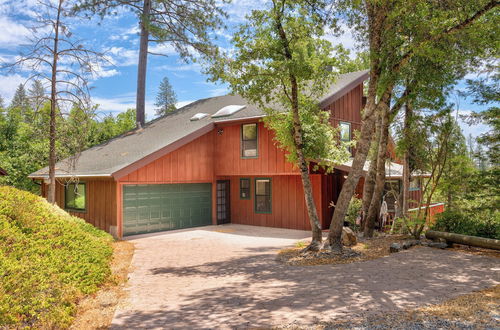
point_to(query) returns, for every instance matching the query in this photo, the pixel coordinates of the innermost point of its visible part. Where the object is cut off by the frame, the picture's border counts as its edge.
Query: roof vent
(198, 116)
(228, 110)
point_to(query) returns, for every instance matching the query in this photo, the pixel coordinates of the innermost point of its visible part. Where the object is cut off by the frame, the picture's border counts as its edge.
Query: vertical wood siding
(288, 204)
(101, 210)
(348, 108)
(192, 162)
(271, 160)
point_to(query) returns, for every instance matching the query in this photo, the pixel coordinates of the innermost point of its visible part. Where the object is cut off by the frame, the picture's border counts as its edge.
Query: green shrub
(483, 224)
(48, 260)
(353, 212)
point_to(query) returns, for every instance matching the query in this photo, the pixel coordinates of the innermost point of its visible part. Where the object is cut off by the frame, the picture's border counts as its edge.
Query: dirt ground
(226, 277)
(365, 249)
(96, 311)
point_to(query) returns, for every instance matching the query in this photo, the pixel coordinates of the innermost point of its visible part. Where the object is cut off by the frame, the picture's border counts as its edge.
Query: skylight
(228, 110)
(198, 116)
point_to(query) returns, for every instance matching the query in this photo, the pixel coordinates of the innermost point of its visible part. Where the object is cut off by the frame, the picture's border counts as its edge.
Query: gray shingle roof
(119, 152)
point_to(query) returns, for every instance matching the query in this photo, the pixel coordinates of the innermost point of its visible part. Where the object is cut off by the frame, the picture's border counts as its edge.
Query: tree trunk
(297, 137)
(369, 185)
(374, 208)
(304, 172)
(406, 160)
(347, 191)
(51, 195)
(142, 66)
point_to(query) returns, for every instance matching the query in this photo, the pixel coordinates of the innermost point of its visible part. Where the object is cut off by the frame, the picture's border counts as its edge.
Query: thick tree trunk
(51, 195)
(374, 208)
(369, 185)
(347, 191)
(140, 103)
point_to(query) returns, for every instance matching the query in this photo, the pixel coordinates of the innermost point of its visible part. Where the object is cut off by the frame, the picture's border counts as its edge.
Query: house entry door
(223, 202)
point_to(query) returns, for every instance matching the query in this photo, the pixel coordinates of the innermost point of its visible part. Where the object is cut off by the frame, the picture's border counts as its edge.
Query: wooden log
(487, 243)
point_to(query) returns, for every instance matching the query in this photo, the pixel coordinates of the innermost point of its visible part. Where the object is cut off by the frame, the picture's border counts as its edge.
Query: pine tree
(166, 98)
(20, 99)
(37, 95)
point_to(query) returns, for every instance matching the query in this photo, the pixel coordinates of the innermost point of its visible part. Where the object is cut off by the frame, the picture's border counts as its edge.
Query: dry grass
(96, 311)
(367, 248)
(474, 307)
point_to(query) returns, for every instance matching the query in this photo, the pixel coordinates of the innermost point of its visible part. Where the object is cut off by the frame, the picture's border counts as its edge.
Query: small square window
(244, 188)
(249, 140)
(345, 131)
(414, 184)
(74, 196)
(263, 198)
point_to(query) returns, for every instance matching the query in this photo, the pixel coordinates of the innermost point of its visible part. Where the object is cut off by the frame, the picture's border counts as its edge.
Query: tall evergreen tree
(166, 98)
(183, 24)
(20, 99)
(37, 95)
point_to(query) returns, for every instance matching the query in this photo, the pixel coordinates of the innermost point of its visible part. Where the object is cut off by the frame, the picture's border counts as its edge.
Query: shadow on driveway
(241, 285)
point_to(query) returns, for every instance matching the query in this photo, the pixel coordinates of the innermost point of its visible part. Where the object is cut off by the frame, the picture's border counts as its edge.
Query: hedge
(48, 260)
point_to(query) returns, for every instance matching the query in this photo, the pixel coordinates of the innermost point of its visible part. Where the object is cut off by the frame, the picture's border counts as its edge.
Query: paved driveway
(227, 276)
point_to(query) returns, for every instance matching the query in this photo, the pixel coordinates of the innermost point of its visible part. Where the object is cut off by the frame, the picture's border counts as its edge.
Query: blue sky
(114, 90)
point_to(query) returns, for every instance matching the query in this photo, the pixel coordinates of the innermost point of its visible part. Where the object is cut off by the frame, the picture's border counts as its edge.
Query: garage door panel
(152, 208)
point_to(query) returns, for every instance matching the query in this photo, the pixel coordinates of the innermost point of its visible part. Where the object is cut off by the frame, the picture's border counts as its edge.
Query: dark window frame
(72, 208)
(249, 193)
(256, 141)
(270, 196)
(348, 124)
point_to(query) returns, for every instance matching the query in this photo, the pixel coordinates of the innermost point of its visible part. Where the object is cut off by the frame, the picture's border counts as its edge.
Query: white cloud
(181, 67)
(121, 56)
(163, 49)
(13, 34)
(122, 103)
(8, 86)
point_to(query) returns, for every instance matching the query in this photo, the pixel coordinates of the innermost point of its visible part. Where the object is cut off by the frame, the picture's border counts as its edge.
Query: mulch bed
(97, 311)
(365, 249)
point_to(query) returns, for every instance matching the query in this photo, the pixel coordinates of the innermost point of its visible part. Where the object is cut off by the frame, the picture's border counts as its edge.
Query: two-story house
(210, 162)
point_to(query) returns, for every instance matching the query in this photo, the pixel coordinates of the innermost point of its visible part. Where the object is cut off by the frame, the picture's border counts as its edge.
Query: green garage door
(158, 207)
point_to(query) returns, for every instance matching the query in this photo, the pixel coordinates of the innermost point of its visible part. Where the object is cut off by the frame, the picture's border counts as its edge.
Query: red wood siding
(101, 210)
(192, 162)
(271, 160)
(288, 204)
(348, 108)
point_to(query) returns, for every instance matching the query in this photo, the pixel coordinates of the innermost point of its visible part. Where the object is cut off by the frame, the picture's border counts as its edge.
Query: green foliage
(166, 98)
(24, 137)
(280, 48)
(353, 211)
(484, 224)
(48, 260)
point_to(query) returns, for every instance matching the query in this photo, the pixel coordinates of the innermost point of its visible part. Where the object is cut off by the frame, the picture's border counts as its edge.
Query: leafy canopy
(264, 67)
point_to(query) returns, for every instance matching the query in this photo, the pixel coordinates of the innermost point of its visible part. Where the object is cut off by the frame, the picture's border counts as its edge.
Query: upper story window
(74, 196)
(345, 131)
(249, 141)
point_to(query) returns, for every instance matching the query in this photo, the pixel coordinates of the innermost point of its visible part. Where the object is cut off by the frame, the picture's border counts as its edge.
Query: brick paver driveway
(227, 276)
